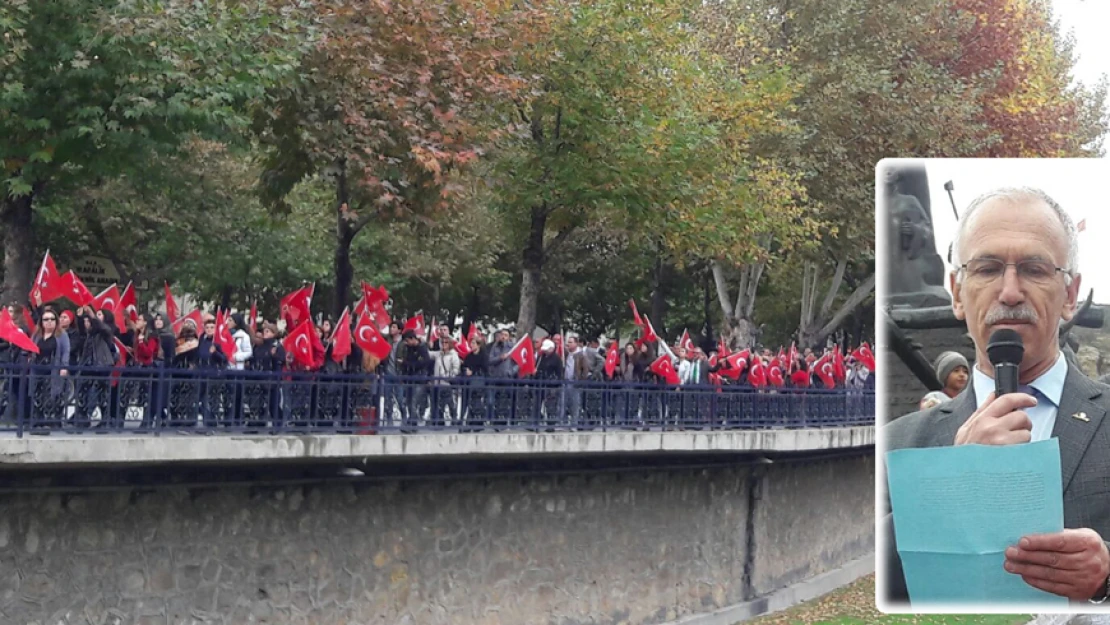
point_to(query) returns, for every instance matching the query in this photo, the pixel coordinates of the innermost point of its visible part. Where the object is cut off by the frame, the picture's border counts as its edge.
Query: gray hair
(1022, 193)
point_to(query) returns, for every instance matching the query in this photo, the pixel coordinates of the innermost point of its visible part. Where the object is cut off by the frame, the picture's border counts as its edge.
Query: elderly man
(1015, 257)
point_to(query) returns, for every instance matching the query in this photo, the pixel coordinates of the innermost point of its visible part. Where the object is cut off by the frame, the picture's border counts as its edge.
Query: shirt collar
(1050, 384)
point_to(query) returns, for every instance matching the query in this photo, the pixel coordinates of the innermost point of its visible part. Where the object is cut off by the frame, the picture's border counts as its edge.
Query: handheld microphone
(1005, 350)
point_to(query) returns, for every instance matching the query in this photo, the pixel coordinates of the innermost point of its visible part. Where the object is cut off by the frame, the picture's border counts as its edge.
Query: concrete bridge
(559, 528)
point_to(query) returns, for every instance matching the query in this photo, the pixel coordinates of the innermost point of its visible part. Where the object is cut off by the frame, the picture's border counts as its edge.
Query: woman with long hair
(147, 347)
(49, 384)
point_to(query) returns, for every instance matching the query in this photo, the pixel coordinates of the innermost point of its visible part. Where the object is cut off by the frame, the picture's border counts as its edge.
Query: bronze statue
(915, 272)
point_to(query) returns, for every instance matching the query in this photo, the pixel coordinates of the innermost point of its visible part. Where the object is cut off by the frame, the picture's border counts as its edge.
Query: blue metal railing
(39, 400)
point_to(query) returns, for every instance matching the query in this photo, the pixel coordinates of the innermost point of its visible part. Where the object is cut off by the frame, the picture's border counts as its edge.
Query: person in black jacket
(211, 359)
(268, 358)
(415, 361)
(474, 371)
(98, 353)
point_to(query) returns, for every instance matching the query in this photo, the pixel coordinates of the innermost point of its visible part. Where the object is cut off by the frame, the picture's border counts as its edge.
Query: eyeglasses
(990, 269)
(45, 319)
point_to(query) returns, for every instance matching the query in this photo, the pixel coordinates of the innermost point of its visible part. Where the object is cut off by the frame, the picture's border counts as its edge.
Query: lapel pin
(1082, 416)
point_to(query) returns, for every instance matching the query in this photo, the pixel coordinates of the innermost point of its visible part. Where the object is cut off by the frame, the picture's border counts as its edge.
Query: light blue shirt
(1049, 387)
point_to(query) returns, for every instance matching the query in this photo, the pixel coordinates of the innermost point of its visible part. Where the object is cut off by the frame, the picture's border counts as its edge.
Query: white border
(881, 539)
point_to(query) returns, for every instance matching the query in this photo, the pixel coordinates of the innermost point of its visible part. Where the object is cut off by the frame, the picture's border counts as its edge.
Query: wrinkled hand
(999, 421)
(1073, 563)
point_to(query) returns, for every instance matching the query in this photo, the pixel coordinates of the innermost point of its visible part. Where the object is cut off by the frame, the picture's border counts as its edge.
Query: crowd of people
(173, 373)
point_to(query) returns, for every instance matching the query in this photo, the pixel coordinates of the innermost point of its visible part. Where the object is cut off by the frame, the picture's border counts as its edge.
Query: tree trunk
(739, 330)
(225, 297)
(707, 330)
(658, 295)
(531, 268)
(344, 235)
(19, 247)
(818, 333)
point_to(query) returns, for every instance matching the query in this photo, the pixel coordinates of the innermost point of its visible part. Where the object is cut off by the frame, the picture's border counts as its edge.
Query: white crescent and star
(297, 343)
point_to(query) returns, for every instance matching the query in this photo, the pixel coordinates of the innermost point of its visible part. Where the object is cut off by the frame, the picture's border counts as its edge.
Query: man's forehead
(993, 223)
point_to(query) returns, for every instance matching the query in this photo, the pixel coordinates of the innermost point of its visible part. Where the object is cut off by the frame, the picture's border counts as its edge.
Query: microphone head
(1005, 346)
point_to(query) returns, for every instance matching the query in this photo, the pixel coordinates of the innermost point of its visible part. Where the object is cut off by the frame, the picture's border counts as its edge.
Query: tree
(388, 104)
(108, 85)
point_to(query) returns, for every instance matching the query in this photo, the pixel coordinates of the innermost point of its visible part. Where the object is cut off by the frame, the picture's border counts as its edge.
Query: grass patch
(855, 605)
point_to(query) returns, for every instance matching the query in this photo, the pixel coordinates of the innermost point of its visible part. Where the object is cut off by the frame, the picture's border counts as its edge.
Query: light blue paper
(957, 509)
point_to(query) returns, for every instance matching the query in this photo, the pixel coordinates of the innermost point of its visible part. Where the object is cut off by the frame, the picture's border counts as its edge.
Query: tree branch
(722, 289)
(753, 285)
(854, 300)
(838, 278)
(559, 239)
(745, 277)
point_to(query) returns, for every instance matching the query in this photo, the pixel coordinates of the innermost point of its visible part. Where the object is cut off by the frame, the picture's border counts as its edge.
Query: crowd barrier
(153, 400)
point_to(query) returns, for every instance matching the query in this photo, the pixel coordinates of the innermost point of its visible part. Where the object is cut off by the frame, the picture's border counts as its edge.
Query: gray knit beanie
(946, 363)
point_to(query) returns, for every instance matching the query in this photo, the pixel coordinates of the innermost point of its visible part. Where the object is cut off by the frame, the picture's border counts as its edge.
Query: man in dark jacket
(414, 360)
(211, 359)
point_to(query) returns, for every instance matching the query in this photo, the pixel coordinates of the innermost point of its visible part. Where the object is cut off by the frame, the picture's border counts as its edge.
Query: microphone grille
(1005, 346)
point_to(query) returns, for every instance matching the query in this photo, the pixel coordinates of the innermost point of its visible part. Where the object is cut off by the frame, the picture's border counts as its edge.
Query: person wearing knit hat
(953, 372)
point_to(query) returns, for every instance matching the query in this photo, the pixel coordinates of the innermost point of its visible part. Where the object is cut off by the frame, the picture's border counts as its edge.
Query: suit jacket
(1084, 457)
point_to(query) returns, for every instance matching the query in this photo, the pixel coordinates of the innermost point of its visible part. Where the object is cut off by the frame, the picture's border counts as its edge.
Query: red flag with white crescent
(341, 338)
(369, 339)
(758, 375)
(128, 304)
(171, 306)
(49, 285)
(223, 339)
(864, 355)
(76, 290)
(299, 343)
(686, 342)
(612, 359)
(12, 334)
(196, 317)
(649, 331)
(664, 368)
(296, 307)
(416, 324)
(737, 363)
(524, 354)
(824, 370)
(108, 299)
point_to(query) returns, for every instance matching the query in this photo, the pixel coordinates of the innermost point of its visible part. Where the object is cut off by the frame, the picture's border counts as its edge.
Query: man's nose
(1013, 292)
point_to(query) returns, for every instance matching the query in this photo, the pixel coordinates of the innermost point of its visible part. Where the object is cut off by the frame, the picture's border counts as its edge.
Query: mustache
(1002, 313)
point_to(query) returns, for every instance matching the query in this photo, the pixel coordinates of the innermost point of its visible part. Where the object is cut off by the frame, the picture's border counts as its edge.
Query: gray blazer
(1084, 457)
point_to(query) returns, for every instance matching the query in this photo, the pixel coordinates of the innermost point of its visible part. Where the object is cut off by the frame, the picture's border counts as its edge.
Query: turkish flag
(558, 340)
(737, 362)
(649, 331)
(128, 305)
(374, 296)
(11, 333)
(299, 343)
(171, 305)
(722, 348)
(369, 339)
(824, 370)
(800, 378)
(108, 299)
(297, 306)
(124, 352)
(29, 321)
(663, 368)
(416, 324)
(472, 332)
(524, 354)
(775, 375)
(223, 338)
(685, 342)
(612, 359)
(793, 356)
(49, 285)
(636, 315)
(864, 355)
(758, 375)
(76, 290)
(195, 316)
(341, 338)
(462, 346)
(839, 370)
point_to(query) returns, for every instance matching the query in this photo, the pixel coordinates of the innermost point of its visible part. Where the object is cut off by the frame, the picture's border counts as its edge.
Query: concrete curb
(70, 450)
(785, 597)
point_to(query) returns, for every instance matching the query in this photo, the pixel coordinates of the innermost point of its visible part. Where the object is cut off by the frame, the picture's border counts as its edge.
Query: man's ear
(1072, 301)
(957, 301)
